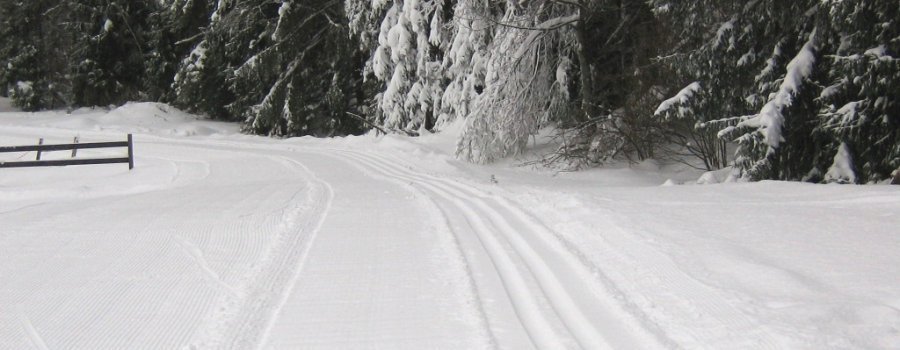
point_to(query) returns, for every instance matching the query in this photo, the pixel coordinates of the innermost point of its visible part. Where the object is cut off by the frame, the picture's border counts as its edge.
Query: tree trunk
(588, 97)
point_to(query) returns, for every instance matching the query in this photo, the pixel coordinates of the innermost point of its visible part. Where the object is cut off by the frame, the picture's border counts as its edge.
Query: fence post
(40, 142)
(75, 150)
(130, 152)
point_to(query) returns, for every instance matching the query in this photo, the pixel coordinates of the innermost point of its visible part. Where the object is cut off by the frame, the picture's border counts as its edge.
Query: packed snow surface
(222, 240)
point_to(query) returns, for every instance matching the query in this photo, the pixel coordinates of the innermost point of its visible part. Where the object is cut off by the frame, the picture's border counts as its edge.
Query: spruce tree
(204, 81)
(305, 74)
(29, 54)
(750, 69)
(860, 107)
(793, 84)
(107, 50)
(407, 51)
(175, 29)
(284, 68)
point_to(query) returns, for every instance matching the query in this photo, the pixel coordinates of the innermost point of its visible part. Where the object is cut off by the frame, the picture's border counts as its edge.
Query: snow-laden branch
(682, 98)
(770, 119)
(548, 25)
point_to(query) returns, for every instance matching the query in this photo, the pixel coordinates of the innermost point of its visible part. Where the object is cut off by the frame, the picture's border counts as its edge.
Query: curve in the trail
(244, 314)
(503, 231)
(203, 261)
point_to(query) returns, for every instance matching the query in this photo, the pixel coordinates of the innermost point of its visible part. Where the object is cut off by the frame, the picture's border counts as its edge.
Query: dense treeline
(797, 90)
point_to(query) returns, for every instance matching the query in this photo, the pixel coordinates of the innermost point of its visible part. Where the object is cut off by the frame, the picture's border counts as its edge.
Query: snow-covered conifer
(757, 63)
(175, 28)
(107, 49)
(300, 81)
(407, 55)
(860, 105)
(30, 55)
(823, 75)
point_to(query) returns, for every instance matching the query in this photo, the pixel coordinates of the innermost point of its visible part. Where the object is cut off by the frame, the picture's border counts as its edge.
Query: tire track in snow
(472, 287)
(496, 230)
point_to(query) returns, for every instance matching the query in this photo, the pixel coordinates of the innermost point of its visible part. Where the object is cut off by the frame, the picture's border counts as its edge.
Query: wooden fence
(74, 147)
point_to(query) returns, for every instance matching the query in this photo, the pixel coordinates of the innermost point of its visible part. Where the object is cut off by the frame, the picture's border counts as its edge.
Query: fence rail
(66, 147)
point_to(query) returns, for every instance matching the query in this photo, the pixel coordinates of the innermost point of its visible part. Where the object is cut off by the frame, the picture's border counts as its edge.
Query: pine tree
(471, 29)
(707, 56)
(406, 56)
(311, 87)
(175, 28)
(792, 83)
(204, 82)
(107, 50)
(74, 53)
(759, 111)
(29, 56)
(860, 107)
(284, 68)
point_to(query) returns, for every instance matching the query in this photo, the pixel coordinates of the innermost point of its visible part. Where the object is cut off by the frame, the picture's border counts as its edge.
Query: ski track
(711, 308)
(556, 300)
(241, 295)
(33, 334)
(379, 279)
(296, 262)
(709, 305)
(243, 317)
(545, 304)
(239, 243)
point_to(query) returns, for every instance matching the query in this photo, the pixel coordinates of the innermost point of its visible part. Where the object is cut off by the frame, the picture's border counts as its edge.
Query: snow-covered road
(218, 240)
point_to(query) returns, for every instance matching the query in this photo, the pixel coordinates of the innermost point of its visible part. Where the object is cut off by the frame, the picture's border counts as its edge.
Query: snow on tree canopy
(681, 98)
(841, 170)
(770, 119)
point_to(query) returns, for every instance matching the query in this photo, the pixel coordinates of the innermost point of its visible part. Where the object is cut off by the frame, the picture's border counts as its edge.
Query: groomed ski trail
(557, 300)
(203, 262)
(379, 276)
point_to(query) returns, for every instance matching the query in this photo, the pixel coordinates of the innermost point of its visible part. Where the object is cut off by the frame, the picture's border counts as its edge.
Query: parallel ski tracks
(555, 297)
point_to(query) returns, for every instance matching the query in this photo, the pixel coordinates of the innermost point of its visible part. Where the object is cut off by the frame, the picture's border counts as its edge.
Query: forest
(805, 90)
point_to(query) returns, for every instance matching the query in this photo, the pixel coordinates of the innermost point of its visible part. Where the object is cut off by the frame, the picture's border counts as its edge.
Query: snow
(878, 52)
(770, 119)
(25, 87)
(681, 98)
(222, 240)
(841, 170)
(724, 29)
